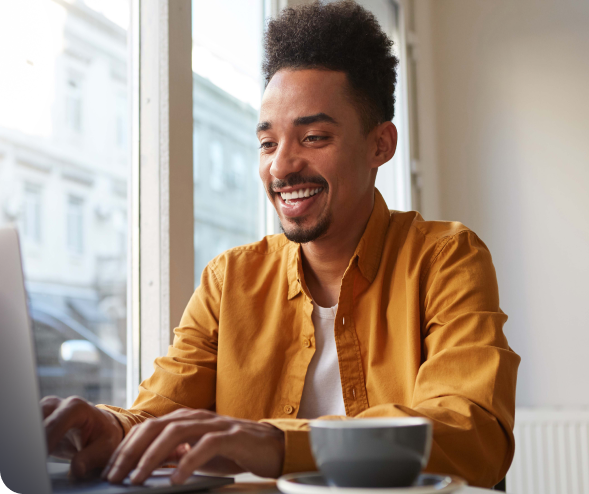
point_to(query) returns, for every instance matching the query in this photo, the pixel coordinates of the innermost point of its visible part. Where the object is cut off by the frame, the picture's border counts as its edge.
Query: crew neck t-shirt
(322, 392)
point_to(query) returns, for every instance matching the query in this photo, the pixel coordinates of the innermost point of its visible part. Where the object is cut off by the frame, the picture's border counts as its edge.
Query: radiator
(551, 452)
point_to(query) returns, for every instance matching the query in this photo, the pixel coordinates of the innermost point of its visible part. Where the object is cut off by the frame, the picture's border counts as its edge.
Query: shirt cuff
(297, 446)
(122, 418)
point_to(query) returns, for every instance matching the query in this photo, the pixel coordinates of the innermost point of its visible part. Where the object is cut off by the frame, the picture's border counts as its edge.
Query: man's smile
(300, 194)
(295, 203)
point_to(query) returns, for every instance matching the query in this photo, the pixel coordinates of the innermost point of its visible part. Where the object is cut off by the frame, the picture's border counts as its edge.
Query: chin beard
(302, 235)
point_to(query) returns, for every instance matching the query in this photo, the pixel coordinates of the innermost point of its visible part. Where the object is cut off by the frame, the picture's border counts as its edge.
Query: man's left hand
(197, 440)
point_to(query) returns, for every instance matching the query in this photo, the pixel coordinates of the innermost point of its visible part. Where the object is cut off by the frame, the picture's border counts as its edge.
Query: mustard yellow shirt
(418, 333)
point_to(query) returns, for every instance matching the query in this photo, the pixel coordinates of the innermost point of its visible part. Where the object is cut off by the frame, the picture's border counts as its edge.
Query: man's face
(314, 155)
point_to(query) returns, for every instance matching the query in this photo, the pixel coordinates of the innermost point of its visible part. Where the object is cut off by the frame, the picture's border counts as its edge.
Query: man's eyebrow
(318, 117)
(263, 126)
(307, 120)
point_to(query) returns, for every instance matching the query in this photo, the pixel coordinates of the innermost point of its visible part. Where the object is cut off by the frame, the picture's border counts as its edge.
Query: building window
(75, 224)
(121, 121)
(31, 217)
(216, 157)
(73, 103)
(237, 176)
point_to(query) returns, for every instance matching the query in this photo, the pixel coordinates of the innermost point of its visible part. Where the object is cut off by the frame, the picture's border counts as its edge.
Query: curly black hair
(340, 36)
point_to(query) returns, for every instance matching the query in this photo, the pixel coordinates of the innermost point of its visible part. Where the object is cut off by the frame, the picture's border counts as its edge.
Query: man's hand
(78, 431)
(198, 439)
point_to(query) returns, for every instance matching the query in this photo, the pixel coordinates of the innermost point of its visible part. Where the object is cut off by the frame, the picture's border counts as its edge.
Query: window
(216, 160)
(227, 89)
(57, 60)
(75, 225)
(73, 103)
(31, 214)
(122, 120)
(238, 176)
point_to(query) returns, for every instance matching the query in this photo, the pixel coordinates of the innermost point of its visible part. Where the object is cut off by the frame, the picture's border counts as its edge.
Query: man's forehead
(293, 94)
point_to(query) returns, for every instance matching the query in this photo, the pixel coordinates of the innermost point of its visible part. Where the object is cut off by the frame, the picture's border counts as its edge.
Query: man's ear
(385, 143)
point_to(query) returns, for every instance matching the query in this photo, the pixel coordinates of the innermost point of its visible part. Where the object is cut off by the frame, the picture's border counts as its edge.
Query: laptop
(23, 451)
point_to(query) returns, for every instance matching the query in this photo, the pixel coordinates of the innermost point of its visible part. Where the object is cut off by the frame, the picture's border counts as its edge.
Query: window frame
(161, 199)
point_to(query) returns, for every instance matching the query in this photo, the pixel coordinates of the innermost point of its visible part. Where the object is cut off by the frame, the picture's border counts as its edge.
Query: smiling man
(354, 311)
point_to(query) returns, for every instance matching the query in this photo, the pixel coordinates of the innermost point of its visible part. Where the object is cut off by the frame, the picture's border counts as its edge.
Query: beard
(298, 233)
(302, 235)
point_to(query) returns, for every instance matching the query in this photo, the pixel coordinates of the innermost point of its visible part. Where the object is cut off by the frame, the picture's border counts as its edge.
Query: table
(247, 483)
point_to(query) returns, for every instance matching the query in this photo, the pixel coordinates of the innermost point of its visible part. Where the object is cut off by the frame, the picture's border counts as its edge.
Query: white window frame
(161, 198)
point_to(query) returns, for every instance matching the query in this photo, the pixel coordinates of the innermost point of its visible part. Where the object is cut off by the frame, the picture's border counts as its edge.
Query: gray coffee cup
(379, 452)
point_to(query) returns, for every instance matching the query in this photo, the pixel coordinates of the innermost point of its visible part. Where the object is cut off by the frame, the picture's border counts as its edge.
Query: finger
(174, 434)
(225, 443)
(116, 452)
(129, 451)
(49, 404)
(90, 459)
(179, 414)
(178, 453)
(71, 413)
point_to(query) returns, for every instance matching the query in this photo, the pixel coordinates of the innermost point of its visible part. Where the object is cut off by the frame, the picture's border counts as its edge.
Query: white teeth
(298, 194)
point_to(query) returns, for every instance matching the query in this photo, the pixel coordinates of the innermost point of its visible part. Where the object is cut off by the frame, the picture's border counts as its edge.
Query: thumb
(92, 458)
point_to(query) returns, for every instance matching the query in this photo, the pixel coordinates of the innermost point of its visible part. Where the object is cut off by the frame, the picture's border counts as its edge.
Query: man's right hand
(80, 432)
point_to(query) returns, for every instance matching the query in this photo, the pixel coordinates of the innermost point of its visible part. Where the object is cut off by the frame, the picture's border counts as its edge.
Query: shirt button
(306, 343)
(288, 409)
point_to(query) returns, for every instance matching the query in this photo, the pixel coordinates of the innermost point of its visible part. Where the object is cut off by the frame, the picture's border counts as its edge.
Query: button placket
(351, 371)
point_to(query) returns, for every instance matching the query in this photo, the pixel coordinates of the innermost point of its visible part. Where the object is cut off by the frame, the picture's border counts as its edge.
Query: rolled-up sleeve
(186, 376)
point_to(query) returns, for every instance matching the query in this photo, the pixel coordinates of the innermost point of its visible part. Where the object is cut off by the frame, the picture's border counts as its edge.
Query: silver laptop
(23, 451)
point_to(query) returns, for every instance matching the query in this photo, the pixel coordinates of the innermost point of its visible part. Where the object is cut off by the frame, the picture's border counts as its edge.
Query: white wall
(511, 110)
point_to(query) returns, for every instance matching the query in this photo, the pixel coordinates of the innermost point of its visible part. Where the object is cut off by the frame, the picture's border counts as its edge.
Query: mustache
(297, 179)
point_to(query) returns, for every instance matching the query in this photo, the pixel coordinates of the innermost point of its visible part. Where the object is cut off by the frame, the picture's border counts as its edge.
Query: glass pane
(227, 88)
(63, 182)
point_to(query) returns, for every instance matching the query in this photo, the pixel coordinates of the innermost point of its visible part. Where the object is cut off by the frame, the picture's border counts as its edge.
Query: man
(354, 311)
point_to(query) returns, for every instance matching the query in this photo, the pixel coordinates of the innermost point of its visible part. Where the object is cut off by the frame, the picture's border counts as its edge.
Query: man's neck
(325, 260)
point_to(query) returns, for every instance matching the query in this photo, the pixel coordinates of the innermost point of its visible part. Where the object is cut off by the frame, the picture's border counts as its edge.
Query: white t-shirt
(322, 393)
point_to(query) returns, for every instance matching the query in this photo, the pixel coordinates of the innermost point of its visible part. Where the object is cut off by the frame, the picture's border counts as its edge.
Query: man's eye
(267, 145)
(315, 138)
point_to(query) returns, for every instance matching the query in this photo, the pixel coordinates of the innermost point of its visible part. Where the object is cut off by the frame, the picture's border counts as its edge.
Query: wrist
(118, 431)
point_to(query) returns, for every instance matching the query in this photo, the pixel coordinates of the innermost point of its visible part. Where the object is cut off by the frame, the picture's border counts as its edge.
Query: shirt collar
(368, 251)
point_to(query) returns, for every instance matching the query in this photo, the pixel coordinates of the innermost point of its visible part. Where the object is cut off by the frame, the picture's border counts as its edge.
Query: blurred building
(227, 186)
(66, 189)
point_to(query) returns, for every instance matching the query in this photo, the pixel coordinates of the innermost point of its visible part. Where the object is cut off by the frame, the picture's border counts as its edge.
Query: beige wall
(507, 93)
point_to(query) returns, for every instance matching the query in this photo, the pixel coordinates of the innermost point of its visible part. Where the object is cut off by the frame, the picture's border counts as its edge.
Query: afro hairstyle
(340, 36)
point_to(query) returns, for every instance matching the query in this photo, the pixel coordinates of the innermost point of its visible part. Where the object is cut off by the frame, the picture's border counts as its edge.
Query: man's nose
(286, 160)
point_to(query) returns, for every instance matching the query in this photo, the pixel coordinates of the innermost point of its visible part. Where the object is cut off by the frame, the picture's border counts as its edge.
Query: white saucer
(314, 483)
